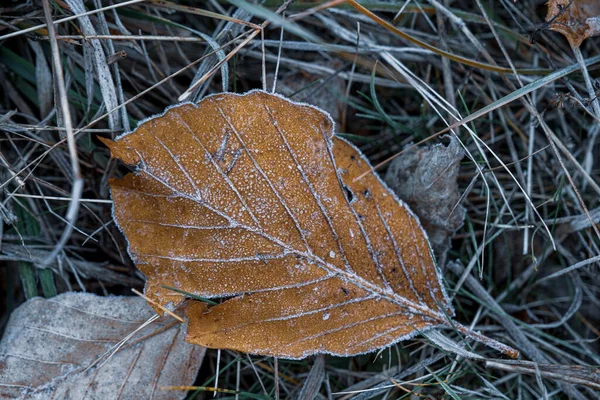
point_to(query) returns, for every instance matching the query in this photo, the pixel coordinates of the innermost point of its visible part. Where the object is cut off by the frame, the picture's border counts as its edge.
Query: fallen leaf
(577, 20)
(325, 94)
(253, 197)
(49, 345)
(426, 179)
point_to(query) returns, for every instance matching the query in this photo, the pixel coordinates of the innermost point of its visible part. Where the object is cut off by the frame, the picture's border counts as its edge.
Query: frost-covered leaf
(50, 343)
(253, 197)
(577, 20)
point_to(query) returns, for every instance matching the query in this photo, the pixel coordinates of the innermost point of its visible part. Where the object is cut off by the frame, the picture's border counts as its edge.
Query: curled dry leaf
(326, 95)
(253, 197)
(577, 20)
(59, 348)
(426, 178)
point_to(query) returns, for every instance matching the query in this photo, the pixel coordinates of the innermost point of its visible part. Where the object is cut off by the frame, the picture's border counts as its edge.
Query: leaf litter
(574, 343)
(70, 347)
(577, 20)
(426, 178)
(252, 198)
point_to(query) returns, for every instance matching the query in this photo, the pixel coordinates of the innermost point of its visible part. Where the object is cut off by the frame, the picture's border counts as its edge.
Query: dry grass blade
(198, 11)
(77, 185)
(517, 94)
(585, 376)
(250, 35)
(70, 18)
(453, 57)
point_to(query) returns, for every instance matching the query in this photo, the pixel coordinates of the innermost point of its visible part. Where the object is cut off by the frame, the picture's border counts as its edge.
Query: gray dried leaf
(49, 345)
(426, 178)
(327, 95)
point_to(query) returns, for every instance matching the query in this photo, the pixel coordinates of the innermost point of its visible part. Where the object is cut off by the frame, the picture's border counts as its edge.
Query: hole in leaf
(348, 193)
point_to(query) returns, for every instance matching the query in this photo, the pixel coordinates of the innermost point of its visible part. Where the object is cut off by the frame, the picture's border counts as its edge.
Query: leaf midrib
(332, 270)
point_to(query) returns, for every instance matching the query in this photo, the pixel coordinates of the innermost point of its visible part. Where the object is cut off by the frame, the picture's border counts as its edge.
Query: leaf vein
(361, 227)
(218, 168)
(398, 254)
(311, 189)
(264, 175)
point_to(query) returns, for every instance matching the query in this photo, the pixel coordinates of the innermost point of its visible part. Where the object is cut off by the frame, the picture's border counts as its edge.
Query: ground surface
(528, 185)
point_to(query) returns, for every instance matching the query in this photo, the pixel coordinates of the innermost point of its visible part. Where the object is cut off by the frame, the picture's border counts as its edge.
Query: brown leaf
(253, 197)
(577, 20)
(50, 343)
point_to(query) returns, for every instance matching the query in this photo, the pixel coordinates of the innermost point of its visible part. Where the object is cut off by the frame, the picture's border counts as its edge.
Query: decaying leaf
(253, 197)
(50, 343)
(426, 179)
(325, 94)
(577, 20)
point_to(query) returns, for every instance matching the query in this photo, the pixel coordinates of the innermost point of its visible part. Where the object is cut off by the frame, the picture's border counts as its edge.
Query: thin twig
(77, 184)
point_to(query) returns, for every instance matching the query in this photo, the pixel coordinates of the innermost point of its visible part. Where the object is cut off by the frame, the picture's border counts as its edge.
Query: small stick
(77, 184)
(172, 314)
(70, 18)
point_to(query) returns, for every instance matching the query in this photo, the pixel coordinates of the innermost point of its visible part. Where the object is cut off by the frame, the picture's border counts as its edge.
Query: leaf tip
(108, 143)
(119, 149)
(112, 146)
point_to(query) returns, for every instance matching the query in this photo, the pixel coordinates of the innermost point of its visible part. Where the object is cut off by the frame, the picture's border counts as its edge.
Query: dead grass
(524, 266)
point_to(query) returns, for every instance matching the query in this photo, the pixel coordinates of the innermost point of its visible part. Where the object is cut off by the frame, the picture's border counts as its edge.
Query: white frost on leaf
(365, 256)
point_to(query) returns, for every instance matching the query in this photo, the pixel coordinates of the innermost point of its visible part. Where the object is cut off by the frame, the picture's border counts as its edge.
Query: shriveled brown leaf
(577, 20)
(50, 343)
(254, 197)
